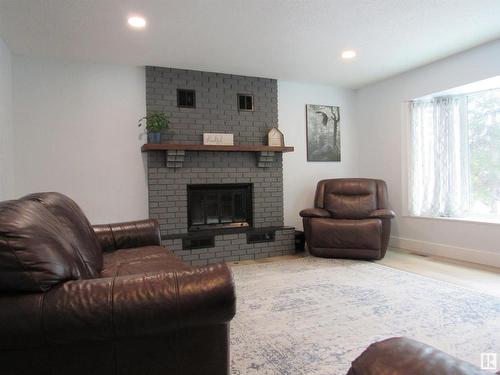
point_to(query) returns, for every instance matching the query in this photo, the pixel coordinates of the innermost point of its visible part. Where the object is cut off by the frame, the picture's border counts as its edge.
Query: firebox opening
(215, 206)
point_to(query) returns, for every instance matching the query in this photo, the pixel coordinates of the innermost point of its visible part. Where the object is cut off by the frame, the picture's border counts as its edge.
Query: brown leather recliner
(350, 219)
(404, 356)
(108, 299)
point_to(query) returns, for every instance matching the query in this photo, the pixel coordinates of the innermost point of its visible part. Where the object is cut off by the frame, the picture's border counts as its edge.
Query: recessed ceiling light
(137, 22)
(348, 54)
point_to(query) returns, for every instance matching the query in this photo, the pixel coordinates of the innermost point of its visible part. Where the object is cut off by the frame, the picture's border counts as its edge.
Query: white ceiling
(285, 39)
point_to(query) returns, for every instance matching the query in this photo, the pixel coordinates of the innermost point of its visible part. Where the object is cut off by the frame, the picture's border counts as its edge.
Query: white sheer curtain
(438, 157)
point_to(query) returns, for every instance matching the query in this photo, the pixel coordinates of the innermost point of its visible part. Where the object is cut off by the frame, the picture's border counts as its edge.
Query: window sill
(468, 220)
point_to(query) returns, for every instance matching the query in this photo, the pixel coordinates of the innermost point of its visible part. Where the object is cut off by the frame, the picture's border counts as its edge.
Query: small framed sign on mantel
(219, 139)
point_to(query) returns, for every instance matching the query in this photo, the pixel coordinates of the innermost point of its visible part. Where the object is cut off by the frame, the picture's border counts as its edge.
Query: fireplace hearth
(217, 206)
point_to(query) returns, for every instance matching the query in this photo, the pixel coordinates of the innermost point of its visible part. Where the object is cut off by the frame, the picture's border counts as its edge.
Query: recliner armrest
(128, 235)
(123, 306)
(402, 356)
(315, 212)
(383, 213)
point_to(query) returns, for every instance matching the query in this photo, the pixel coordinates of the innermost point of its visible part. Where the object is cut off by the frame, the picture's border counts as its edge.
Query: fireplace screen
(219, 206)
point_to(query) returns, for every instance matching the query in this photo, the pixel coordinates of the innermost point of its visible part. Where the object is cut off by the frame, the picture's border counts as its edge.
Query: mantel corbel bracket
(174, 158)
(265, 159)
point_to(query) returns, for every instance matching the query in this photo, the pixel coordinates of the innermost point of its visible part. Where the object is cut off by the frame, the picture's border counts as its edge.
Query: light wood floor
(469, 275)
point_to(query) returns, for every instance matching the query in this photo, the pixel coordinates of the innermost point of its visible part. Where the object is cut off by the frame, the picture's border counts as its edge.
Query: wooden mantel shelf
(175, 152)
(192, 147)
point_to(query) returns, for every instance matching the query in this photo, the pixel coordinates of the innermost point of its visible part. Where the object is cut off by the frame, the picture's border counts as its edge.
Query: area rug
(313, 316)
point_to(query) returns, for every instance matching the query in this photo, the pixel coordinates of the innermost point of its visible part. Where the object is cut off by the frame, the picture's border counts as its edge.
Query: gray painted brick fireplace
(216, 111)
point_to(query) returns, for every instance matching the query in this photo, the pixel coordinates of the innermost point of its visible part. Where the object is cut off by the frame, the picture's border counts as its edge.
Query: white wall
(381, 150)
(6, 125)
(76, 132)
(299, 176)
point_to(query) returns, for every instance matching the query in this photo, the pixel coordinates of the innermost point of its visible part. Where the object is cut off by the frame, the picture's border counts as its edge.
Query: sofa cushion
(346, 234)
(140, 260)
(34, 252)
(75, 227)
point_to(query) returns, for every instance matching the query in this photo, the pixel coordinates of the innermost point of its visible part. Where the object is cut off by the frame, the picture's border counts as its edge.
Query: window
(454, 156)
(245, 102)
(186, 98)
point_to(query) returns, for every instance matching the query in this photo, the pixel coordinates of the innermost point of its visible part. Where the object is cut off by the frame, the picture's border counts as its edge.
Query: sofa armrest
(402, 356)
(124, 306)
(127, 235)
(383, 213)
(315, 212)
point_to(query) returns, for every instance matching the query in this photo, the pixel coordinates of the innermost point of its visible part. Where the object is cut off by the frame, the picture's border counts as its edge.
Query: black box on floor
(300, 241)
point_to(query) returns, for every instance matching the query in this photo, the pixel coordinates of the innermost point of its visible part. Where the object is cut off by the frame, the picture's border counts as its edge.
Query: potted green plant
(155, 123)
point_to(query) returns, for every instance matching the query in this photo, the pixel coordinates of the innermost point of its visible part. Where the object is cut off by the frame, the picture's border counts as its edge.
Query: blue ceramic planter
(154, 137)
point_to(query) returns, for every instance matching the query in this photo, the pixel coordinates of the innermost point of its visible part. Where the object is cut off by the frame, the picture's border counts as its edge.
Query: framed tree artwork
(323, 132)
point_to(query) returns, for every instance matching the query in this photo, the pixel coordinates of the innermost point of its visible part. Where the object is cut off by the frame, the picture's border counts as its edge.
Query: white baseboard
(446, 251)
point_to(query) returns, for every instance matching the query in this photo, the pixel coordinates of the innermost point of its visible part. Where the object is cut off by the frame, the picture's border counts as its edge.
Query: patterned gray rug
(314, 316)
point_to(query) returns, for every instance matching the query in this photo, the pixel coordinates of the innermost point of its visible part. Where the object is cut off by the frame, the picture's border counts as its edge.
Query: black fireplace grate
(212, 206)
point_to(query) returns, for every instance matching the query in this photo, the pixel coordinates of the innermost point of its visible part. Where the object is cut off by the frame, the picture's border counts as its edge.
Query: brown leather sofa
(350, 219)
(403, 356)
(108, 299)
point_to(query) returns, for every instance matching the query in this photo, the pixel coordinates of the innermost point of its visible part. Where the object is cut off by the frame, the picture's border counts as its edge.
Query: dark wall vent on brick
(198, 242)
(186, 98)
(256, 237)
(245, 102)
